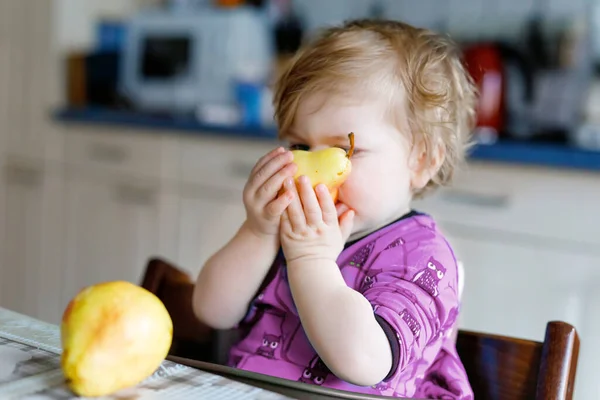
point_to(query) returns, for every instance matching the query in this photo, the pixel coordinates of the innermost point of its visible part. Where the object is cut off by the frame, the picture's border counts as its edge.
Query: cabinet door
(112, 231)
(169, 222)
(515, 289)
(32, 240)
(209, 218)
(4, 74)
(30, 79)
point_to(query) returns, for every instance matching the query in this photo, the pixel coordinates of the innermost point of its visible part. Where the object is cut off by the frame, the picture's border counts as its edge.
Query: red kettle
(504, 78)
(484, 64)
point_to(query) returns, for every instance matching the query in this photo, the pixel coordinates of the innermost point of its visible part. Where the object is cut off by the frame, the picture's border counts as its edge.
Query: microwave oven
(178, 61)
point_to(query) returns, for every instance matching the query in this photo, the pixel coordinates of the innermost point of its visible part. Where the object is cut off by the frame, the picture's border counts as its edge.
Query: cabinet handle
(135, 195)
(241, 169)
(23, 175)
(497, 201)
(107, 153)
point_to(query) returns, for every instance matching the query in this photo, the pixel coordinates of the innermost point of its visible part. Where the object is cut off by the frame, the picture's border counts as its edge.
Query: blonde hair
(389, 58)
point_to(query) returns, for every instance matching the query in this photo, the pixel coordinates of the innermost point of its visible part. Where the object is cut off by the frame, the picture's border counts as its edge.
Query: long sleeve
(414, 294)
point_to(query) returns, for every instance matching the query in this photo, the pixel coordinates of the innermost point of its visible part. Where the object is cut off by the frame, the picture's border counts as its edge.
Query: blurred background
(128, 128)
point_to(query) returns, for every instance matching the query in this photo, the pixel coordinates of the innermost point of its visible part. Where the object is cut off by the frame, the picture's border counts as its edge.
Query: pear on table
(330, 166)
(114, 335)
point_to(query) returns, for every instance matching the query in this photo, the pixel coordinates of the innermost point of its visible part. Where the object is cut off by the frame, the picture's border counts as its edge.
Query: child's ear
(425, 162)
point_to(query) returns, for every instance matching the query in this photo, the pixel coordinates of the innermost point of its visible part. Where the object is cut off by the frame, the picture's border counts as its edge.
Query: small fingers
(310, 203)
(266, 158)
(295, 213)
(346, 224)
(277, 207)
(286, 225)
(341, 208)
(273, 185)
(262, 174)
(326, 204)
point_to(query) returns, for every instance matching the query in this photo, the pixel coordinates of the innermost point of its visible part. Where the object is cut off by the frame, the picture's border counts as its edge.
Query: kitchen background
(128, 128)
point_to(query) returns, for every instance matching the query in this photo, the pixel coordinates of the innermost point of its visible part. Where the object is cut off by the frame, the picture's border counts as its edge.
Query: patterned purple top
(408, 272)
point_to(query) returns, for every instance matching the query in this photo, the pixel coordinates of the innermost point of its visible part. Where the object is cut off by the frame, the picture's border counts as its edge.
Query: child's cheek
(351, 190)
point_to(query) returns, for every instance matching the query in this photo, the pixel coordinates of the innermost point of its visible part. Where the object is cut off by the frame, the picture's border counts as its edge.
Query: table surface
(30, 369)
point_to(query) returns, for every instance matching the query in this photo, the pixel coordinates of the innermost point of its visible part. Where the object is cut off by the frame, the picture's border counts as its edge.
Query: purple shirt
(408, 272)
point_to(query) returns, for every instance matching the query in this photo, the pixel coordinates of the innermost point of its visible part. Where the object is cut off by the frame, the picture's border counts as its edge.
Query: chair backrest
(498, 367)
(175, 288)
(501, 367)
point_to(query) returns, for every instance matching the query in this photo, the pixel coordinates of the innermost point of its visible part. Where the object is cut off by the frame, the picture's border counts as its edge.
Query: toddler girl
(360, 295)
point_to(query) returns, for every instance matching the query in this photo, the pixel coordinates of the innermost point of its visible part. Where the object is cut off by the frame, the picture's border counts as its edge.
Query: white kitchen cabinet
(209, 217)
(516, 287)
(13, 71)
(31, 180)
(169, 203)
(221, 162)
(527, 239)
(587, 385)
(32, 241)
(112, 228)
(29, 69)
(213, 174)
(123, 152)
(3, 219)
(540, 204)
(5, 46)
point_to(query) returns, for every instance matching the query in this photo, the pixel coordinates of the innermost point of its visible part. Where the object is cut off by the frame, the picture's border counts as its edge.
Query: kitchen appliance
(91, 79)
(484, 64)
(505, 80)
(179, 61)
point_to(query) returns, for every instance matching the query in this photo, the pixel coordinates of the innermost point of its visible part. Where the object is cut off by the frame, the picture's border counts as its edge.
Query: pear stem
(351, 150)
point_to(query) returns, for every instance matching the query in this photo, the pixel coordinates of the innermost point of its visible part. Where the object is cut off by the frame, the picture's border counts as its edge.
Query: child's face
(379, 186)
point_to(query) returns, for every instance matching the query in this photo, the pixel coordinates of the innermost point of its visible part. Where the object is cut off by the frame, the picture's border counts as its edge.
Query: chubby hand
(262, 197)
(310, 226)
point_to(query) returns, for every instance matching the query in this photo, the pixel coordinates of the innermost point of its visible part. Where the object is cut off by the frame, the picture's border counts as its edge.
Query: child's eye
(302, 147)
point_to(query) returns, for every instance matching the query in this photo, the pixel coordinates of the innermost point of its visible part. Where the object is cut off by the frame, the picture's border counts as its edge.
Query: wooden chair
(191, 338)
(498, 367)
(501, 367)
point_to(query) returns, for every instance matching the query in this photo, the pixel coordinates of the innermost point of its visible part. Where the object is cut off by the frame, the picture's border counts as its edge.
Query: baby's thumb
(346, 223)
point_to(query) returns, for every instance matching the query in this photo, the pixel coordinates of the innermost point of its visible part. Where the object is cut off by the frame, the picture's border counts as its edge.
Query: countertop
(551, 155)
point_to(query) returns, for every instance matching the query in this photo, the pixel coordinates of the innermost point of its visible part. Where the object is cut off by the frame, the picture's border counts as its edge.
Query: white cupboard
(29, 78)
(526, 237)
(515, 288)
(31, 174)
(213, 174)
(31, 273)
(112, 227)
(209, 217)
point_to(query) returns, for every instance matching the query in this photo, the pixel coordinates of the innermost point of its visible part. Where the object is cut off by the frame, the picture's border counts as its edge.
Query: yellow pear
(114, 335)
(329, 166)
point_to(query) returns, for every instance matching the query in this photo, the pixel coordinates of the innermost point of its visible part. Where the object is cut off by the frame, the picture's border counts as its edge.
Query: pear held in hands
(329, 166)
(114, 335)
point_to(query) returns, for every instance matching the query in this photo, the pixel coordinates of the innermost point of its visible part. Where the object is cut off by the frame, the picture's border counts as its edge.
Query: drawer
(554, 204)
(220, 162)
(123, 152)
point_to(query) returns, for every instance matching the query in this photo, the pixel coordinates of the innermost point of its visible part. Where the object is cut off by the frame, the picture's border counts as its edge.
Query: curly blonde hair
(419, 70)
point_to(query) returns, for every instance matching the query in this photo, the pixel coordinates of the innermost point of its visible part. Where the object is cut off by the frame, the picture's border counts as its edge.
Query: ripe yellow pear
(114, 335)
(329, 166)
